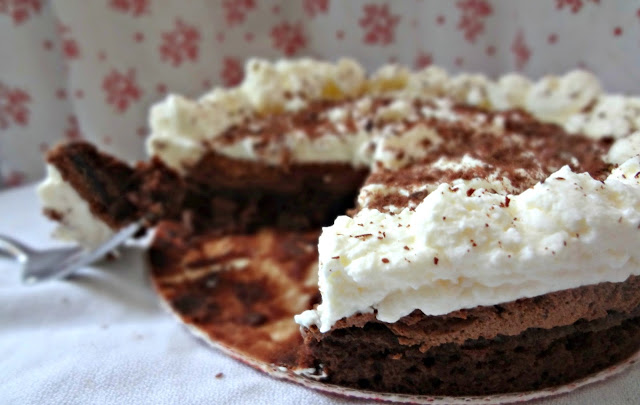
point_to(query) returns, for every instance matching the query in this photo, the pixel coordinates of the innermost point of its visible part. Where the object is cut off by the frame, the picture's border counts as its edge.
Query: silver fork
(51, 264)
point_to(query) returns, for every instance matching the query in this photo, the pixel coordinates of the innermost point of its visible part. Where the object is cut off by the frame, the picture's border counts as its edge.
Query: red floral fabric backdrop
(74, 69)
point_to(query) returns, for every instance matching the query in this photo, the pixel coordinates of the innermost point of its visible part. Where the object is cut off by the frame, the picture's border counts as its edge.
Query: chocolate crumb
(470, 192)
(255, 319)
(335, 257)
(369, 125)
(385, 260)
(219, 375)
(406, 247)
(435, 261)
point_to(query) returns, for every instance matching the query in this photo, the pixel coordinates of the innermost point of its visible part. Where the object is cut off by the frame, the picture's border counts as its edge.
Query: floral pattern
(236, 10)
(70, 47)
(288, 38)
(472, 16)
(181, 44)
(73, 132)
(378, 24)
(14, 106)
(422, 60)
(520, 50)
(574, 5)
(99, 87)
(136, 8)
(20, 10)
(121, 89)
(316, 7)
(232, 73)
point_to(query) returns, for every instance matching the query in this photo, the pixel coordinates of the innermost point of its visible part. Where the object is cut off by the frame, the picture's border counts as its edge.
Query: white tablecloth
(103, 338)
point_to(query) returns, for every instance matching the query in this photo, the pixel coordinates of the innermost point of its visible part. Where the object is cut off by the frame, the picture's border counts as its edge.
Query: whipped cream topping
(624, 148)
(463, 247)
(612, 115)
(465, 163)
(180, 127)
(479, 241)
(182, 130)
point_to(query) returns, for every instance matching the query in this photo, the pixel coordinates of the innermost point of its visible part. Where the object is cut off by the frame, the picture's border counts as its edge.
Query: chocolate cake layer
(246, 195)
(372, 358)
(219, 193)
(101, 180)
(535, 342)
(547, 311)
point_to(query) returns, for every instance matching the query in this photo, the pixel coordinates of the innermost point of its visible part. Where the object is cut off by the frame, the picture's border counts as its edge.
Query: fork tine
(37, 270)
(13, 248)
(83, 257)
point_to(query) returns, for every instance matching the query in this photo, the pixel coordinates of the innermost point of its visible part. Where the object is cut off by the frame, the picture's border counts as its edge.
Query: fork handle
(14, 249)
